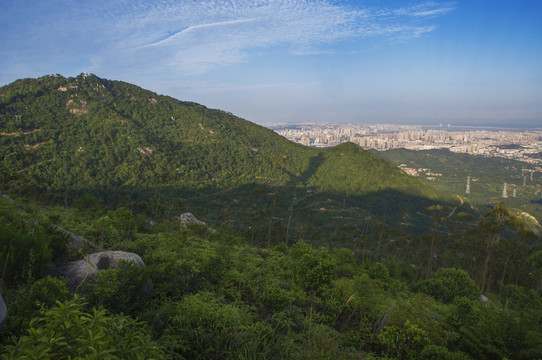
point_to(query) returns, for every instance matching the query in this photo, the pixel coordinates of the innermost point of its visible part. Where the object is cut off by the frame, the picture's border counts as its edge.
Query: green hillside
(311, 253)
(487, 177)
(72, 139)
(216, 296)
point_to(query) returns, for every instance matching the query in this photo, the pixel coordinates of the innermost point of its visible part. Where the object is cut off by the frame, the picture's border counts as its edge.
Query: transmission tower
(504, 191)
(467, 190)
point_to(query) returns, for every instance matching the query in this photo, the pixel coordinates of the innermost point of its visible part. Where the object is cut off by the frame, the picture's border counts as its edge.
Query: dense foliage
(84, 139)
(487, 177)
(66, 331)
(215, 295)
(311, 253)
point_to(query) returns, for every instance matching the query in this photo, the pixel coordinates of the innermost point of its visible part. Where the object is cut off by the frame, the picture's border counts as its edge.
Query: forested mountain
(311, 254)
(68, 139)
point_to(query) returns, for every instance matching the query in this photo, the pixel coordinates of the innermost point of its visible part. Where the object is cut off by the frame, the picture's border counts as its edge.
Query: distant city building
(519, 145)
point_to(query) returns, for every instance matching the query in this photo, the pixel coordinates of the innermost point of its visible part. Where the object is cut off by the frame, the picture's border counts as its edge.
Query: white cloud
(194, 28)
(193, 37)
(433, 12)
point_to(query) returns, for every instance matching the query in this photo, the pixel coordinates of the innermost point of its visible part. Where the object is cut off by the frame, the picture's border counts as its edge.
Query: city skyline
(425, 62)
(514, 144)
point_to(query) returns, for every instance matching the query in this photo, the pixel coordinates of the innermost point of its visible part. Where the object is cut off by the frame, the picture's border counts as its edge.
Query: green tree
(404, 342)
(535, 262)
(313, 268)
(435, 352)
(67, 331)
(25, 256)
(380, 234)
(26, 301)
(492, 225)
(438, 218)
(446, 284)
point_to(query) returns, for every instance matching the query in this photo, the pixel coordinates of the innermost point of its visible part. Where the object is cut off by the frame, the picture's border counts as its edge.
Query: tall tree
(438, 218)
(492, 227)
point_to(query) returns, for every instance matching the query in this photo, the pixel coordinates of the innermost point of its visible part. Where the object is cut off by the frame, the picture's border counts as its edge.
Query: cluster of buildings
(420, 171)
(520, 145)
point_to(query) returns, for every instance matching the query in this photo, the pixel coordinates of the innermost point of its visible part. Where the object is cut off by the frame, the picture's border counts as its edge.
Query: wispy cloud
(194, 28)
(192, 37)
(433, 12)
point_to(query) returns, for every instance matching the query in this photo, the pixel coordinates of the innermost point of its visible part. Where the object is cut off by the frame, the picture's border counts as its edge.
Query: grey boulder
(188, 218)
(81, 271)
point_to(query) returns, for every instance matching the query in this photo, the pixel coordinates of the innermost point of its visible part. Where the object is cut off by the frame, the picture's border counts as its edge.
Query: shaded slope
(487, 176)
(349, 168)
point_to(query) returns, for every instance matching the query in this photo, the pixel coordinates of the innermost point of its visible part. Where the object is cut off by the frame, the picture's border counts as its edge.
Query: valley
(484, 181)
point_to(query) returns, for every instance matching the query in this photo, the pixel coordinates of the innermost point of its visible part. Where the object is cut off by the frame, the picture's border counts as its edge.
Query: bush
(25, 257)
(313, 268)
(380, 272)
(404, 342)
(67, 331)
(207, 328)
(434, 352)
(445, 284)
(276, 298)
(28, 301)
(121, 290)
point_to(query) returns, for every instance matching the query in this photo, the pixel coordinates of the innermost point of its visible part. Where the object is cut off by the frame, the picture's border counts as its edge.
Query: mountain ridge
(90, 135)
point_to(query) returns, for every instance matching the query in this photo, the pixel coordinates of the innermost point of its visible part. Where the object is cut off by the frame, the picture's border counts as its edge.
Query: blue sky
(378, 61)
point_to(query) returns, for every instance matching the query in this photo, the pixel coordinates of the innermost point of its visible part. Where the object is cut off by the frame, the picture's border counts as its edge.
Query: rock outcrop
(7, 197)
(188, 218)
(81, 271)
(77, 242)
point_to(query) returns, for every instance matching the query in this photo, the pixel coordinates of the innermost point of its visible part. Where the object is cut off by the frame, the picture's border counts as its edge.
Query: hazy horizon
(428, 62)
(467, 125)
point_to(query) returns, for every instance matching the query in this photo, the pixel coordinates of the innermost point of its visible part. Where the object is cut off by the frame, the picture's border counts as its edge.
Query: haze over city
(524, 146)
(419, 62)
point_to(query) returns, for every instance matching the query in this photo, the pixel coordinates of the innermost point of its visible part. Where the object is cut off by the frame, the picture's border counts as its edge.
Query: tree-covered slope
(487, 176)
(216, 296)
(113, 163)
(106, 133)
(66, 137)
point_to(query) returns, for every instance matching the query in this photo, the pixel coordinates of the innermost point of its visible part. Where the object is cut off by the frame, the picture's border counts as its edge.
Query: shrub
(207, 328)
(313, 268)
(276, 298)
(446, 284)
(25, 257)
(434, 352)
(27, 301)
(67, 331)
(404, 342)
